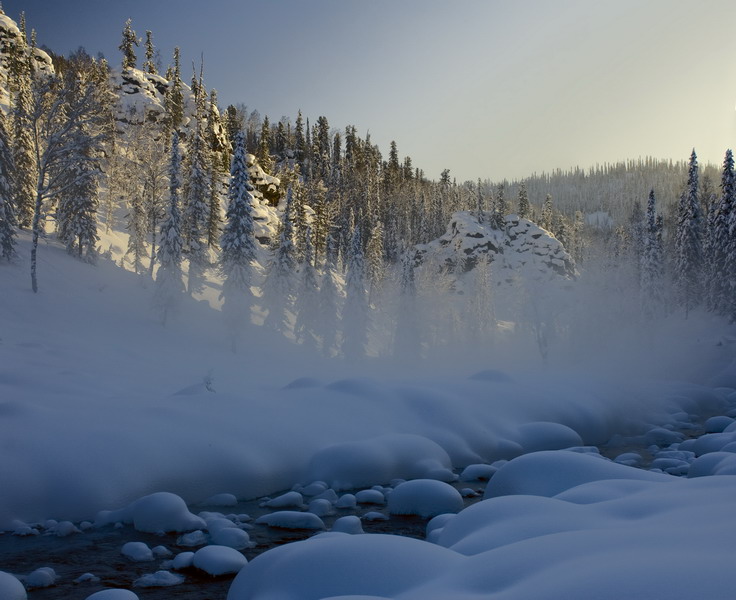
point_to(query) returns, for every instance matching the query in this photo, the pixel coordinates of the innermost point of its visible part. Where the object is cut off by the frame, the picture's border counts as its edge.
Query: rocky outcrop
(517, 245)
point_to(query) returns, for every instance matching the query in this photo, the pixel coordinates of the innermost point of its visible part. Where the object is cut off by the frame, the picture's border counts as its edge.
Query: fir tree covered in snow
(127, 46)
(24, 159)
(169, 286)
(407, 339)
(238, 245)
(721, 262)
(523, 201)
(278, 288)
(329, 298)
(651, 271)
(546, 217)
(688, 244)
(137, 228)
(307, 299)
(355, 311)
(8, 221)
(150, 66)
(196, 209)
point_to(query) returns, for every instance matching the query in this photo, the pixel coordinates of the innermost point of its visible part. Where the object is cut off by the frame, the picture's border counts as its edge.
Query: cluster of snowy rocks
(559, 504)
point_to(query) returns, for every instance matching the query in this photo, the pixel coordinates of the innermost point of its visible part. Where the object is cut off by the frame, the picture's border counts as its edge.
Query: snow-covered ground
(100, 406)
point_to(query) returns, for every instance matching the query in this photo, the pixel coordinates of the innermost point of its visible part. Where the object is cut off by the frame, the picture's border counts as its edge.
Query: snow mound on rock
(161, 511)
(380, 459)
(425, 498)
(292, 519)
(11, 588)
(519, 244)
(113, 595)
(548, 473)
(219, 560)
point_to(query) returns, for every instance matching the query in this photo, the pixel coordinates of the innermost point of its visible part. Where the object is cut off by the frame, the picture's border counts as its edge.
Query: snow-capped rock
(519, 245)
(10, 37)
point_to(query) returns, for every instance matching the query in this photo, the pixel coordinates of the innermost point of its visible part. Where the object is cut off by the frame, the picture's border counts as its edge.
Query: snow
(91, 424)
(548, 473)
(11, 588)
(287, 500)
(221, 500)
(291, 519)
(348, 524)
(113, 595)
(158, 579)
(161, 511)
(218, 560)
(377, 460)
(137, 551)
(231, 537)
(424, 497)
(525, 546)
(42, 577)
(183, 560)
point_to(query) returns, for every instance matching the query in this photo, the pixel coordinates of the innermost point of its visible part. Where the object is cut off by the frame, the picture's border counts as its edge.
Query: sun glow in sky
(486, 88)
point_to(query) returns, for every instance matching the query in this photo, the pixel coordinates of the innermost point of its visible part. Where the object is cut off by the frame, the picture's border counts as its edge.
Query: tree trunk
(34, 246)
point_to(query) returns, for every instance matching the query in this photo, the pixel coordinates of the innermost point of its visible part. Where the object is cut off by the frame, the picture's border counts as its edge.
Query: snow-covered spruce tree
(299, 215)
(169, 286)
(407, 339)
(238, 245)
(150, 66)
(329, 298)
(502, 207)
(375, 268)
(651, 263)
(688, 248)
(76, 215)
(523, 201)
(196, 212)
(68, 125)
(355, 311)
(216, 159)
(127, 46)
(721, 263)
(546, 219)
(480, 206)
(24, 159)
(174, 98)
(8, 222)
(278, 288)
(307, 299)
(137, 228)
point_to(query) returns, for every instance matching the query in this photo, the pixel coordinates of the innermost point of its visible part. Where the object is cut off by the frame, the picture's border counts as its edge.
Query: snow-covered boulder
(425, 498)
(159, 579)
(292, 519)
(549, 473)
(114, 594)
(379, 460)
(137, 551)
(162, 511)
(519, 245)
(11, 588)
(219, 560)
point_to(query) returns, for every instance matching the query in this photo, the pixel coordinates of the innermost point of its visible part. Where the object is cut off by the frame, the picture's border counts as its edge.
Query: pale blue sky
(488, 89)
